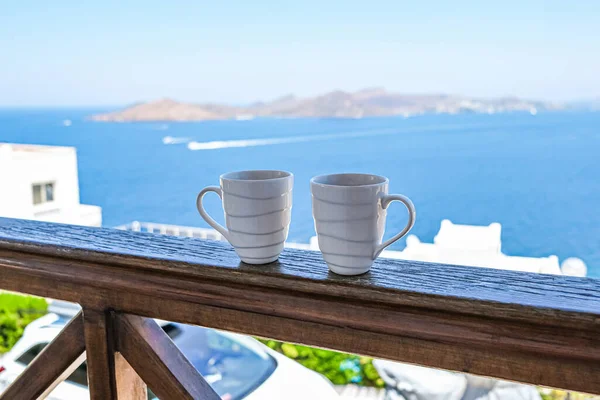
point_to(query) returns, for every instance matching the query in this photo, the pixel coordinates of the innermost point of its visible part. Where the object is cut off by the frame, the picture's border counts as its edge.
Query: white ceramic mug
(258, 206)
(350, 212)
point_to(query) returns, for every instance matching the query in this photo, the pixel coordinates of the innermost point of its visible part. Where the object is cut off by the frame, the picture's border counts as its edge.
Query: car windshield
(232, 366)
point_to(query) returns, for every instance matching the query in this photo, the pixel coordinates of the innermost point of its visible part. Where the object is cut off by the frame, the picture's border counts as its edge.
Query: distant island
(336, 104)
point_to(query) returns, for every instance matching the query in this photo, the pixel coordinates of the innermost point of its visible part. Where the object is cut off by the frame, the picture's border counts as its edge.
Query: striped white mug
(350, 212)
(257, 206)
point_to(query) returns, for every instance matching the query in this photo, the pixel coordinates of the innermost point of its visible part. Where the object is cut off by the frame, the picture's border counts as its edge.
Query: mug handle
(412, 214)
(205, 215)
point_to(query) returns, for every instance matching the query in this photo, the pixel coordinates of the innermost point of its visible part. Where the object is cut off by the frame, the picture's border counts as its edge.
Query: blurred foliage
(555, 394)
(339, 368)
(16, 311)
(342, 368)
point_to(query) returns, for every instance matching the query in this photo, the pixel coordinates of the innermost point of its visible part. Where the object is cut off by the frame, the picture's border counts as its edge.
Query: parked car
(413, 382)
(236, 366)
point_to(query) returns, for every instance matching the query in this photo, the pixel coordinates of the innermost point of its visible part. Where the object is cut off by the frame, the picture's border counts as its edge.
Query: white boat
(174, 140)
(244, 117)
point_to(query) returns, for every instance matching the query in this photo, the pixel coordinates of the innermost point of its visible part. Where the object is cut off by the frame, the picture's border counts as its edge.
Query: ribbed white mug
(257, 206)
(350, 212)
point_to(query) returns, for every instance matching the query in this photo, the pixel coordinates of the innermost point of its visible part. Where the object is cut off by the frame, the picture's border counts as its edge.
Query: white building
(41, 183)
(468, 245)
(474, 246)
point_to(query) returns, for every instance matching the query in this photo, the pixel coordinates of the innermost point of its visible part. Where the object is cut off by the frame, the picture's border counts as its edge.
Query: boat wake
(224, 144)
(175, 140)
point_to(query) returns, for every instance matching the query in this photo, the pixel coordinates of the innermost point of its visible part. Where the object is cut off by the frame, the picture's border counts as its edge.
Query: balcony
(532, 328)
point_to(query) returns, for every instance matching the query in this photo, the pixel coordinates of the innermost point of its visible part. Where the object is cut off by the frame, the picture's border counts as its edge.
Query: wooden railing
(540, 329)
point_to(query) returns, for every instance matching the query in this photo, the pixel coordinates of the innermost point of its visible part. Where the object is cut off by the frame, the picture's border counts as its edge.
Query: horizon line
(248, 103)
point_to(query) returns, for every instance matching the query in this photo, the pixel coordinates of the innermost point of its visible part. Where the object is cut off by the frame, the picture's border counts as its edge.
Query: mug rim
(383, 180)
(230, 176)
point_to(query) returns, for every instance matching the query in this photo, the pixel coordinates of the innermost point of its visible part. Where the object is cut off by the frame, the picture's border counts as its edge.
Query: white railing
(174, 230)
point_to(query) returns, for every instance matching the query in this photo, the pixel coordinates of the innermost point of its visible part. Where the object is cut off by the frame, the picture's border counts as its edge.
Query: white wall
(13, 190)
(21, 167)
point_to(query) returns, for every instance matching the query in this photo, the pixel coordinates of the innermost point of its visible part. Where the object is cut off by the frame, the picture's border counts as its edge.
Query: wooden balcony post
(110, 377)
(99, 353)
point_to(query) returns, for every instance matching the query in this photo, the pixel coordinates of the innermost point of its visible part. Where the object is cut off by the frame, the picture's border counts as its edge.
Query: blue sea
(539, 176)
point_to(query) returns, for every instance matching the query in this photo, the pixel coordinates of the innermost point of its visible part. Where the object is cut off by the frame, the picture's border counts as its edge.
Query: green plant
(339, 368)
(16, 312)
(342, 368)
(555, 394)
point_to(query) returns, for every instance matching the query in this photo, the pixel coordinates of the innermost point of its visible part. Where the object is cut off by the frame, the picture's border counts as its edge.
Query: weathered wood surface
(100, 347)
(129, 384)
(57, 361)
(534, 328)
(420, 284)
(158, 361)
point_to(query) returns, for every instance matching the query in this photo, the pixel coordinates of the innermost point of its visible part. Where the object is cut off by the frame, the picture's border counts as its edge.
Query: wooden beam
(533, 328)
(326, 321)
(56, 362)
(99, 353)
(129, 385)
(109, 374)
(158, 361)
(491, 360)
(536, 298)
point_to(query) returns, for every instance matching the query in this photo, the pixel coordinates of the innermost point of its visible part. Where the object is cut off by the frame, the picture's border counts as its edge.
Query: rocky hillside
(364, 103)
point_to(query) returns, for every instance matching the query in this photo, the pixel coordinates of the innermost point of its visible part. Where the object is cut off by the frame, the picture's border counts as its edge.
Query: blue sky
(110, 52)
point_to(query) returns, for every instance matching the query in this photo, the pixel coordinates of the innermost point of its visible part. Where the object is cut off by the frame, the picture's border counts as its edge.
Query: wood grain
(129, 385)
(444, 287)
(158, 361)
(99, 343)
(52, 365)
(533, 328)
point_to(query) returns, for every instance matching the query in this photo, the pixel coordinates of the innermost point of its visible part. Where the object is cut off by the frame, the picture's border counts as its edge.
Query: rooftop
(31, 148)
